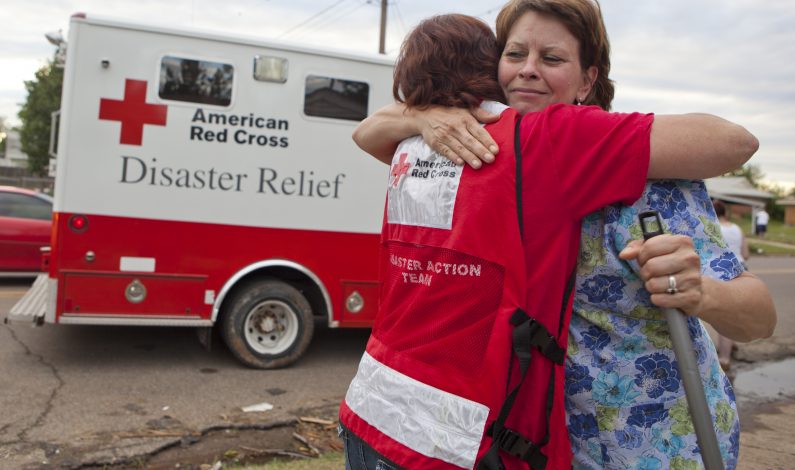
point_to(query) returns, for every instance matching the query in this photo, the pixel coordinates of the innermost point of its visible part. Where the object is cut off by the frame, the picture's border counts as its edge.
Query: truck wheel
(269, 324)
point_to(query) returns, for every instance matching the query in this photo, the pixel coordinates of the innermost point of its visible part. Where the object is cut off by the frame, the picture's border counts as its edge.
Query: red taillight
(45, 259)
(78, 223)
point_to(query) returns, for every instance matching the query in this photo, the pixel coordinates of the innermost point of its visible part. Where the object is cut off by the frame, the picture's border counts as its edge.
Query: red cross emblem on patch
(133, 112)
(400, 168)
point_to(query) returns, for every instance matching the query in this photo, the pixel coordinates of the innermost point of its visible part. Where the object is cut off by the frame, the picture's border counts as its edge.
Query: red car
(25, 226)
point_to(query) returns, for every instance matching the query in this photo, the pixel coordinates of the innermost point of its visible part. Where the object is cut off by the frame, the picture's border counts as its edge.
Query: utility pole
(382, 41)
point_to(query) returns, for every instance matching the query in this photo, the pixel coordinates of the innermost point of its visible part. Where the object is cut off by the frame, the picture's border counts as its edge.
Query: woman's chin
(524, 107)
(528, 102)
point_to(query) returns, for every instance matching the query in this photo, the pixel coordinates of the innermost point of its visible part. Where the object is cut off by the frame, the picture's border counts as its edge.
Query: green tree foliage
(44, 97)
(752, 173)
(754, 176)
(3, 130)
(779, 192)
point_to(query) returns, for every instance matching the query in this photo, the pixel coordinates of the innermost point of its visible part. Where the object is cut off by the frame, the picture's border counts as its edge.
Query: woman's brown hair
(448, 60)
(720, 208)
(583, 19)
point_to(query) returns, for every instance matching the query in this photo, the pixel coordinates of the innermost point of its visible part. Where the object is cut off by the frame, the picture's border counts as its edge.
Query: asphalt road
(97, 393)
(768, 422)
(778, 272)
(94, 394)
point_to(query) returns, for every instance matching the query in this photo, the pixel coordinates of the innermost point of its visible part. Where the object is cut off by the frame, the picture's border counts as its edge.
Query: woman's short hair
(448, 60)
(720, 208)
(583, 19)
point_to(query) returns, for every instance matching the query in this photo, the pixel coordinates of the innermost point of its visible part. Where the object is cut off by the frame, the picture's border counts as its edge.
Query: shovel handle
(651, 226)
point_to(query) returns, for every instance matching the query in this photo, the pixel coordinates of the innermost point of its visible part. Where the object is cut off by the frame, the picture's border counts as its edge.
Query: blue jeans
(360, 456)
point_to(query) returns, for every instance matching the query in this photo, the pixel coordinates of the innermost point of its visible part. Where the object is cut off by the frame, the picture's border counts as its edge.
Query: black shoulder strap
(528, 334)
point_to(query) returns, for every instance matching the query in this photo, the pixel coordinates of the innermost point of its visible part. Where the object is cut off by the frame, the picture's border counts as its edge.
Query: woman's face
(540, 65)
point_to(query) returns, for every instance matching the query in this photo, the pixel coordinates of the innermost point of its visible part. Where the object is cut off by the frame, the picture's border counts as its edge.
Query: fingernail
(493, 149)
(488, 158)
(475, 164)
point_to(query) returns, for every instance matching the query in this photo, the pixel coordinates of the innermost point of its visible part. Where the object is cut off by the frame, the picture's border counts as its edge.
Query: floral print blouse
(626, 406)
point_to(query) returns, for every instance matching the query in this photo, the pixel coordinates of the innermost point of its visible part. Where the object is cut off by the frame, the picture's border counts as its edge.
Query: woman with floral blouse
(624, 397)
(626, 407)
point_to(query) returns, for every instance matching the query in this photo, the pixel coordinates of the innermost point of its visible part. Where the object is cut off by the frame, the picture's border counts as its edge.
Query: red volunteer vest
(440, 363)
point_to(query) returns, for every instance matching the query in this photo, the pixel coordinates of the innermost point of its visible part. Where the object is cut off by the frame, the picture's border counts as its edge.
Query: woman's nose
(529, 71)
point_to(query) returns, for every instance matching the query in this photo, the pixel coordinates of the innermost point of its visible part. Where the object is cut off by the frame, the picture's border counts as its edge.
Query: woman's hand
(453, 132)
(740, 309)
(671, 270)
(457, 133)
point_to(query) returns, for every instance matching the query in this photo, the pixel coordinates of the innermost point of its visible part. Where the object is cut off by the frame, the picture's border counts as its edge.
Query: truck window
(336, 98)
(196, 81)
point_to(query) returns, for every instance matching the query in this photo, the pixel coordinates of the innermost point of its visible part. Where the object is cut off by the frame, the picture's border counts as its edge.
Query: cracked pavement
(76, 396)
(71, 396)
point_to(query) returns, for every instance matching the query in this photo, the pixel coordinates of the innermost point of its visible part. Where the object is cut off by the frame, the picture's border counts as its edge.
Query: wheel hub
(271, 327)
(267, 322)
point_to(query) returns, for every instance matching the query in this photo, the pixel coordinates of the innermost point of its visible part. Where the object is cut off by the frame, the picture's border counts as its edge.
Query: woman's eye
(552, 59)
(514, 54)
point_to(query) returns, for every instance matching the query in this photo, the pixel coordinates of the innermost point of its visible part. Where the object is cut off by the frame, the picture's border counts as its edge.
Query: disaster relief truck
(211, 181)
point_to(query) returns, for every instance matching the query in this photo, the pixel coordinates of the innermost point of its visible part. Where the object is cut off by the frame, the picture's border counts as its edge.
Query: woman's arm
(686, 146)
(453, 132)
(697, 146)
(741, 309)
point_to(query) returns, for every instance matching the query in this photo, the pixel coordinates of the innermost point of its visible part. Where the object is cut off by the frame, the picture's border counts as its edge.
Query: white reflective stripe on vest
(425, 419)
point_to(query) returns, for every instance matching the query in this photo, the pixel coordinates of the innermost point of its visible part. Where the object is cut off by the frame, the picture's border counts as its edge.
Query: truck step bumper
(32, 307)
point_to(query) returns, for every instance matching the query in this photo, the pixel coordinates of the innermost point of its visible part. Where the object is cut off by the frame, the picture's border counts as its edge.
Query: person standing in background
(761, 220)
(733, 235)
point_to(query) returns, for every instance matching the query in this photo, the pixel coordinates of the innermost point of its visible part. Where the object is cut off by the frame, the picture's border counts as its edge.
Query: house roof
(737, 189)
(790, 201)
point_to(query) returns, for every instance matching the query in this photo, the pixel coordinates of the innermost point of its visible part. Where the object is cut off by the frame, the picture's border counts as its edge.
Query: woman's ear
(589, 78)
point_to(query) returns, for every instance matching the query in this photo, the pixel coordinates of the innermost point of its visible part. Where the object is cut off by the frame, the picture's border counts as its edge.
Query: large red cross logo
(400, 168)
(133, 112)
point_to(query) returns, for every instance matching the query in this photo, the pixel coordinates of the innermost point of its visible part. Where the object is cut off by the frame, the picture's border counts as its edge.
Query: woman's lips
(527, 91)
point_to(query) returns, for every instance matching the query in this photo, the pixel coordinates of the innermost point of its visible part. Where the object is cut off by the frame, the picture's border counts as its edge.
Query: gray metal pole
(382, 39)
(688, 367)
(694, 389)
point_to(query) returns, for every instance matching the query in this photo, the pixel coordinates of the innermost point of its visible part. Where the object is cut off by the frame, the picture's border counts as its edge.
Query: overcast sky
(733, 58)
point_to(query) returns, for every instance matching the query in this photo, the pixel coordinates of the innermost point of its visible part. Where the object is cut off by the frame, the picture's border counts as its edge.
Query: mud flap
(205, 335)
(32, 307)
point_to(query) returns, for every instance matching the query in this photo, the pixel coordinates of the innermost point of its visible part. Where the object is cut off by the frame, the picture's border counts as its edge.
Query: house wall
(789, 215)
(737, 210)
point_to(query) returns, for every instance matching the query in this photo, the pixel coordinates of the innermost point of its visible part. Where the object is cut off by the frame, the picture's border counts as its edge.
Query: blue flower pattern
(666, 442)
(612, 390)
(622, 382)
(595, 338)
(578, 379)
(629, 437)
(629, 347)
(604, 289)
(657, 374)
(647, 415)
(648, 463)
(727, 263)
(583, 426)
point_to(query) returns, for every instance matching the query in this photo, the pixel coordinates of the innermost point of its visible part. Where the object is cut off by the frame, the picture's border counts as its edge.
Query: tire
(268, 324)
